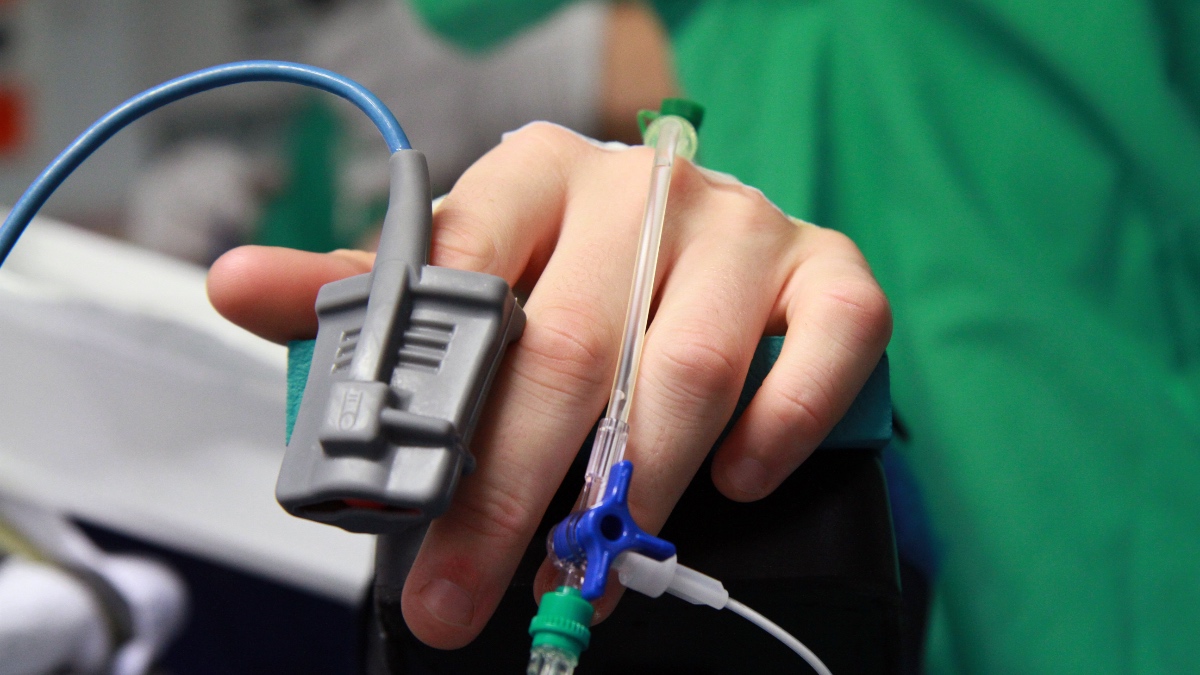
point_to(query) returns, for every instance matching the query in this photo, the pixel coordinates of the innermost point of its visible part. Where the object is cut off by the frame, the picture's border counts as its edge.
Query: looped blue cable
(605, 531)
(152, 99)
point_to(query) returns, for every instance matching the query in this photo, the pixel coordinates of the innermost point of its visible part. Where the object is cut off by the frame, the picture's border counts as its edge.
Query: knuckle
(860, 304)
(849, 299)
(494, 515)
(808, 407)
(622, 173)
(637, 157)
(688, 180)
(738, 210)
(538, 137)
(461, 240)
(835, 241)
(755, 215)
(568, 350)
(539, 131)
(697, 363)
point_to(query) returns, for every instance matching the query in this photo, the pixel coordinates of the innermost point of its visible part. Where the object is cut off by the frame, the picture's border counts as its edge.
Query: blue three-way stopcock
(600, 534)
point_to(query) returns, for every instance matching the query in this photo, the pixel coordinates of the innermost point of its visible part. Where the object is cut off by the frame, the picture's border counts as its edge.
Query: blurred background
(65, 62)
(264, 163)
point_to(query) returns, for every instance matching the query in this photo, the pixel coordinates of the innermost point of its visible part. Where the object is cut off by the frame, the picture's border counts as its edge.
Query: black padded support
(817, 557)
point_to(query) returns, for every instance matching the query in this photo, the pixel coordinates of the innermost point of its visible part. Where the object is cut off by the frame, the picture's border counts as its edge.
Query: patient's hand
(558, 218)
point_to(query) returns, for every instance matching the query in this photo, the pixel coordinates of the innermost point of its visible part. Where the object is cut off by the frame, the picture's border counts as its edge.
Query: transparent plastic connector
(687, 142)
(548, 660)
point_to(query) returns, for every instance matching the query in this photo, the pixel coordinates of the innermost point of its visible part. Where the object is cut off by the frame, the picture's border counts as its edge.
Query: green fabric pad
(300, 355)
(868, 423)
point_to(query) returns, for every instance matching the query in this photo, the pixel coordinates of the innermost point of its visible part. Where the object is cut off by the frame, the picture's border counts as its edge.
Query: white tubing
(779, 633)
(654, 577)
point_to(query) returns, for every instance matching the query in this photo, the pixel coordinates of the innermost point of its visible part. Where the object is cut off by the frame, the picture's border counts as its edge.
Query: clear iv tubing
(613, 432)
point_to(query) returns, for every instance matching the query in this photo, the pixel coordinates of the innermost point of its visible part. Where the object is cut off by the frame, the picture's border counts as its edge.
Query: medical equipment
(601, 534)
(586, 544)
(403, 360)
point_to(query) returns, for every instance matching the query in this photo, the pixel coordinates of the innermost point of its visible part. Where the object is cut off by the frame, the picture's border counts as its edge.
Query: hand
(558, 217)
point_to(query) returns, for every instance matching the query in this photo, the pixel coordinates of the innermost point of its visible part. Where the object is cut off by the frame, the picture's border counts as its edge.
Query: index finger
(271, 291)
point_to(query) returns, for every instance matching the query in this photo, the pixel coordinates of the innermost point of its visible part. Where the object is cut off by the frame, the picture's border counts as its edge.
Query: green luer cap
(562, 621)
(680, 107)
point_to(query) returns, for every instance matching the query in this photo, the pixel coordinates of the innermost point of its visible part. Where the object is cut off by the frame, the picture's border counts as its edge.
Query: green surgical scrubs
(1024, 178)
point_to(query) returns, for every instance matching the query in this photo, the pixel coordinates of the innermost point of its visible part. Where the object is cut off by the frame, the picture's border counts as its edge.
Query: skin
(558, 218)
(637, 73)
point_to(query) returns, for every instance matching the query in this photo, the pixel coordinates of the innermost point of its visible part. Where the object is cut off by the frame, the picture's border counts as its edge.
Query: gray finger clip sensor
(403, 360)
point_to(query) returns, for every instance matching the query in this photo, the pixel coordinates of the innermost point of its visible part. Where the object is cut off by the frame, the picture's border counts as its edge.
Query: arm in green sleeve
(481, 24)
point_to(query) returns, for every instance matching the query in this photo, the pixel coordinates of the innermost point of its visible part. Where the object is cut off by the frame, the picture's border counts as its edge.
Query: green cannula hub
(562, 621)
(680, 107)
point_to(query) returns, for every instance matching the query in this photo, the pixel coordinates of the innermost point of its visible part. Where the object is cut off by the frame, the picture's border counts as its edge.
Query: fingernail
(748, 476)
(448, 603)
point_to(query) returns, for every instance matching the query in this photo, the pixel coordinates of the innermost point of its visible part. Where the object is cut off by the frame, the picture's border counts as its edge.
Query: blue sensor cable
(168, 92)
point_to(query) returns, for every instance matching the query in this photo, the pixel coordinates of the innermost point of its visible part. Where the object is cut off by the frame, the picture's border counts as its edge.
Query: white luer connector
(654, 577)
